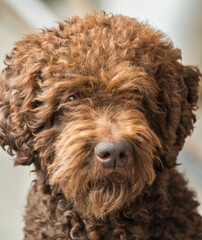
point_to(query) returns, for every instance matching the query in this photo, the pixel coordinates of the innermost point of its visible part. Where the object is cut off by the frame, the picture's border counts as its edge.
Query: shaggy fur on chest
(101, 107)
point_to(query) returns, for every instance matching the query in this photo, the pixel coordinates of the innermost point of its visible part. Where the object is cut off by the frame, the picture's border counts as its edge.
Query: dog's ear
(17, 90)
(178, 98)
(191, 76)
(188, 82)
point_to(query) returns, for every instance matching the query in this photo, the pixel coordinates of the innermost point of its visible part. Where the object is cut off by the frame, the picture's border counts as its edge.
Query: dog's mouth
(114, 178)
(117, 177)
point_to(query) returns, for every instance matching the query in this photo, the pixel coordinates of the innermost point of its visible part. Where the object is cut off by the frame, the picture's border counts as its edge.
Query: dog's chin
(106, 196)
(100, 192)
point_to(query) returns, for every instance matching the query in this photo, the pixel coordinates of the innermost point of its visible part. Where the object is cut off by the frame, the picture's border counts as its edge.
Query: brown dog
(101, 107)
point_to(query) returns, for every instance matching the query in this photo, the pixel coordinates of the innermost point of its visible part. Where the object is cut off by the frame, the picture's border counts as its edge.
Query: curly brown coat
(101, 77)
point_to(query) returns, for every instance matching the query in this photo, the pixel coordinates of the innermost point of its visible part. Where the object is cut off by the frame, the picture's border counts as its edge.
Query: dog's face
(101, 105)
(105, 149)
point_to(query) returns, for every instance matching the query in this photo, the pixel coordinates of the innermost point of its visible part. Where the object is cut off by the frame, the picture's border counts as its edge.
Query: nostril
(122, 155)
(122, 159)
(106, 155)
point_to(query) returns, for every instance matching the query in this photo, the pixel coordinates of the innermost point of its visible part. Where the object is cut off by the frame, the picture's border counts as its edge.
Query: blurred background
(181, 20)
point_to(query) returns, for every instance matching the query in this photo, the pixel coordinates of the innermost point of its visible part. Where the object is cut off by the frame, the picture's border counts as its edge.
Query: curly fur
(127, 83)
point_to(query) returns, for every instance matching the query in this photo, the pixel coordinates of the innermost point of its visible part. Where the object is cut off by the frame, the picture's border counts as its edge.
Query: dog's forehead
(123, 79)
(101, 51)
(88, 46)
(112, 53)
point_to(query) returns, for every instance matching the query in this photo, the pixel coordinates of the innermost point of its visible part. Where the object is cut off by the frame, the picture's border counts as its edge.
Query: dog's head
(101, 104)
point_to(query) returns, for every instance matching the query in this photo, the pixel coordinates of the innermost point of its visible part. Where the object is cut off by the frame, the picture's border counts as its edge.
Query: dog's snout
(113, 154)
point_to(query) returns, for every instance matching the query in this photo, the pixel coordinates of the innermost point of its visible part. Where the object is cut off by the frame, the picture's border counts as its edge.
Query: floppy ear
(189, 92)
(178, 97)
(27, 128)
(17, 91)
(191, 76)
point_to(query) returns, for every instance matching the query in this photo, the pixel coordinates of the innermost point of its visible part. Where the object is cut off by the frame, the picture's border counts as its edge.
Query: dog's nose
(113, 154)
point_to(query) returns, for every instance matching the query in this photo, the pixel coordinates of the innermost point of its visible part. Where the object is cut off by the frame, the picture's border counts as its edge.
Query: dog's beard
(109, 195)
(97, 191)
(106, 199)
(103, 197)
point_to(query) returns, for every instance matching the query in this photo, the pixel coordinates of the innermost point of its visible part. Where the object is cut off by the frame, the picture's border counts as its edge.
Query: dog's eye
(72, 98)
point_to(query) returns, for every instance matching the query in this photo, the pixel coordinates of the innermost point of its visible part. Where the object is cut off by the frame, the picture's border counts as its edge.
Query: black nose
(113, 154)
